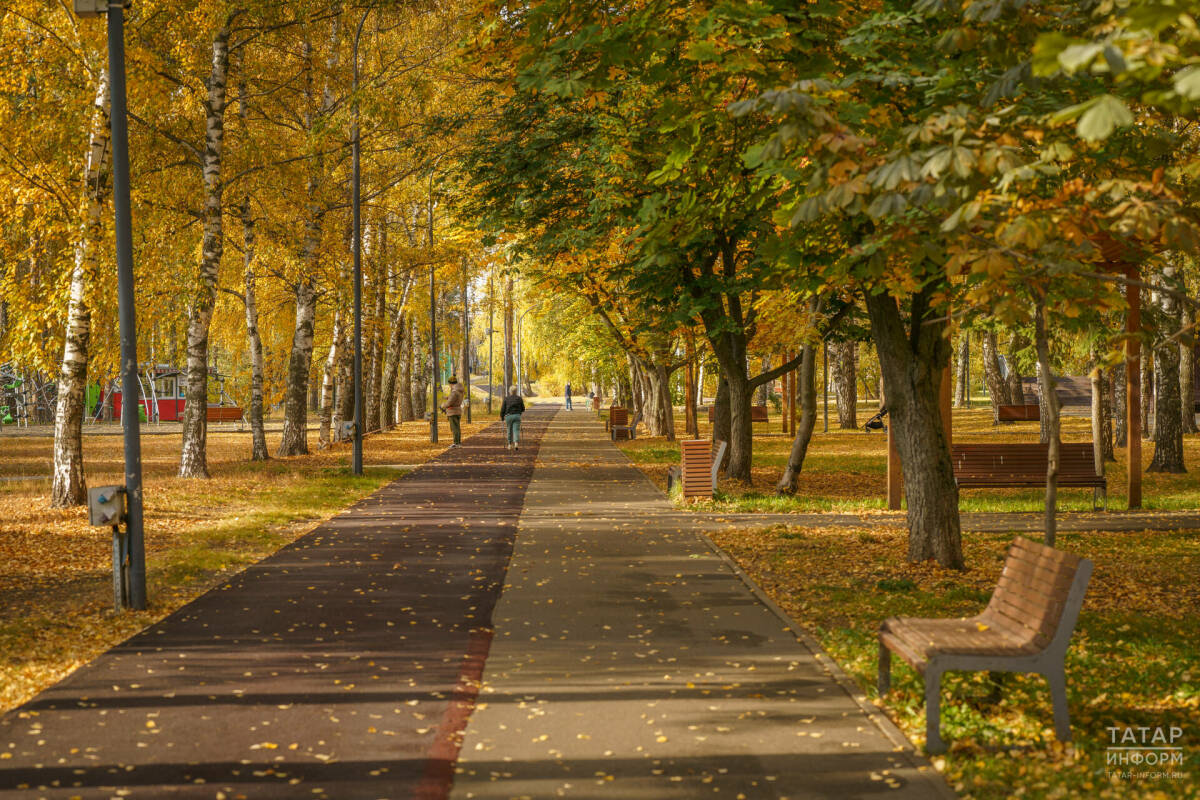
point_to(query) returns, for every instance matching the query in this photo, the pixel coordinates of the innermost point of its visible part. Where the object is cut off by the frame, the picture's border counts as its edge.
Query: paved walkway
(397, 648)
(629, 660)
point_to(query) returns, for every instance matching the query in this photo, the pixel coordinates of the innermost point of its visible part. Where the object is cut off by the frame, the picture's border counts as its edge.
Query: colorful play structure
(161, 390)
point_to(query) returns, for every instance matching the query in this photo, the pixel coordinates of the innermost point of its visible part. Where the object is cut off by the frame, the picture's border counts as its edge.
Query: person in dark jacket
(510, 413)
(568, 395)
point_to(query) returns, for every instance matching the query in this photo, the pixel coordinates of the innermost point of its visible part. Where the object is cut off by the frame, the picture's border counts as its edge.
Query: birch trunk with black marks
(960, 371)
(405, 389)
(1016, 391)
(996, 386)
(328, 374)
(258, 433)
(344, 410)
(294, 440)
(1168, 412)
(420, 377)
(1187, 377)
(393, 362)
(1053, 427)
(912, 364)
(193, 461)
(69, 488)
(374, 391)
(1120, 401)
(1147, 390)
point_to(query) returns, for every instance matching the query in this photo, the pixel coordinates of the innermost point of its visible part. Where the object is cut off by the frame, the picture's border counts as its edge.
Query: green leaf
(1079, 56)
(1106, 115)
(1187, 82)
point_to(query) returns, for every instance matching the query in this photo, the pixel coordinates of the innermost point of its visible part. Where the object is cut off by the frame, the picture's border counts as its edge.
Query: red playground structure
(162, 390)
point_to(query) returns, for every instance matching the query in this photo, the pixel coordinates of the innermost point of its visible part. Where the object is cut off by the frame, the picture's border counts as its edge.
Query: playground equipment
(24, 397)
(162, 388)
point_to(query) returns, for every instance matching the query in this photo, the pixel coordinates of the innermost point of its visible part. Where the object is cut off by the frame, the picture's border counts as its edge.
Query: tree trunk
(464, 372)
(391, 366)
(762, 394)
(912, 366)
(193, 461)
(508, 335)
(842, 358)
(295, 410)
(69, 488)
(405, 389)
(1187, 363)
(657, 410)
(1045, 381)
(294, 440)
(997, 388)
(344, 410)
(1050, 409)
(1106, 431)
(960, 373)
(1147, 390)
(1168, 413)
(1016, 391)
(1120, 402)
(258, 433)
(328, 376)
(808, 419)
(420, 379)
(721, 422)
(373, 393)
(1099, 420)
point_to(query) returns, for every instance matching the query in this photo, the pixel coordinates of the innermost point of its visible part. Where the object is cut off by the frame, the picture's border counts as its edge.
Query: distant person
(568, 393)
(510, 413)
(453, 409)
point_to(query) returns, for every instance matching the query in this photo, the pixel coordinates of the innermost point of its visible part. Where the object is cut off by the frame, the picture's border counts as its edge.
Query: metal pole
(126, 311)
(357, 464)
(825, 380)
(433, 352)
(466, 365)
(491, 308)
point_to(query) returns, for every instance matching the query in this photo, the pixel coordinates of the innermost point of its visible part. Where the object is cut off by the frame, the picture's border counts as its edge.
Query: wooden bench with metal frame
(698, 468)
(1024, 465)
(629, 431)
(1026, 627)
(617, 415)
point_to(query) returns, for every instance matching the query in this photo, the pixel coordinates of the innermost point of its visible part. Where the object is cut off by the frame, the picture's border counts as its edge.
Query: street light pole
(126, 312)
(357, 462)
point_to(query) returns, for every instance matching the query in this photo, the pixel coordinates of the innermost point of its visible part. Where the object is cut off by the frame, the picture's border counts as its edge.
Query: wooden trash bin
(697, 468)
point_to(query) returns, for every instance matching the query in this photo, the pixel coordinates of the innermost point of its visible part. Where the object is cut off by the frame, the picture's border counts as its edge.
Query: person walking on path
(453, 409)
(568, 393)
(510, 413)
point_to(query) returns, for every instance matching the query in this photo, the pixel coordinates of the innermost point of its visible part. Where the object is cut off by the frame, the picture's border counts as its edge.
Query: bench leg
(885, 670)
(1057, 680)
(933, 711)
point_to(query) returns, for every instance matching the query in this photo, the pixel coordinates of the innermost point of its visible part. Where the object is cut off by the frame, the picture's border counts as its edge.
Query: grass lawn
(56, 583)
(847, 470)
(1134, 659)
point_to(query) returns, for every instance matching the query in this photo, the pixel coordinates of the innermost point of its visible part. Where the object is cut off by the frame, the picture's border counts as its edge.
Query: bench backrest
(618, 415)
(1025, 458)
(1040, 591)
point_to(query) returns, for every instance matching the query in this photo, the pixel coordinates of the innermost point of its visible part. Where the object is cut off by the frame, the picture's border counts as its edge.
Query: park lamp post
(357, 458)
(135, 547)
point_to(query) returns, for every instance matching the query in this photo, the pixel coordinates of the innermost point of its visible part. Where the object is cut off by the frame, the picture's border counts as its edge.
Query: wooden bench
(1024, 464)
(699, 464)
(617, 415)
(757, 414)
(1022, 413)
(629, 431)
(1026, 627)
(223, 413)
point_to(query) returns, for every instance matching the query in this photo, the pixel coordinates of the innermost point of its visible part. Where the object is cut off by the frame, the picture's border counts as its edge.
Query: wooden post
(1133, 387)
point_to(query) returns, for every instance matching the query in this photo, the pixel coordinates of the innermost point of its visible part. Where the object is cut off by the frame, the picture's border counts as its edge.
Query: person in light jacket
(510, 412)
(453, 409)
